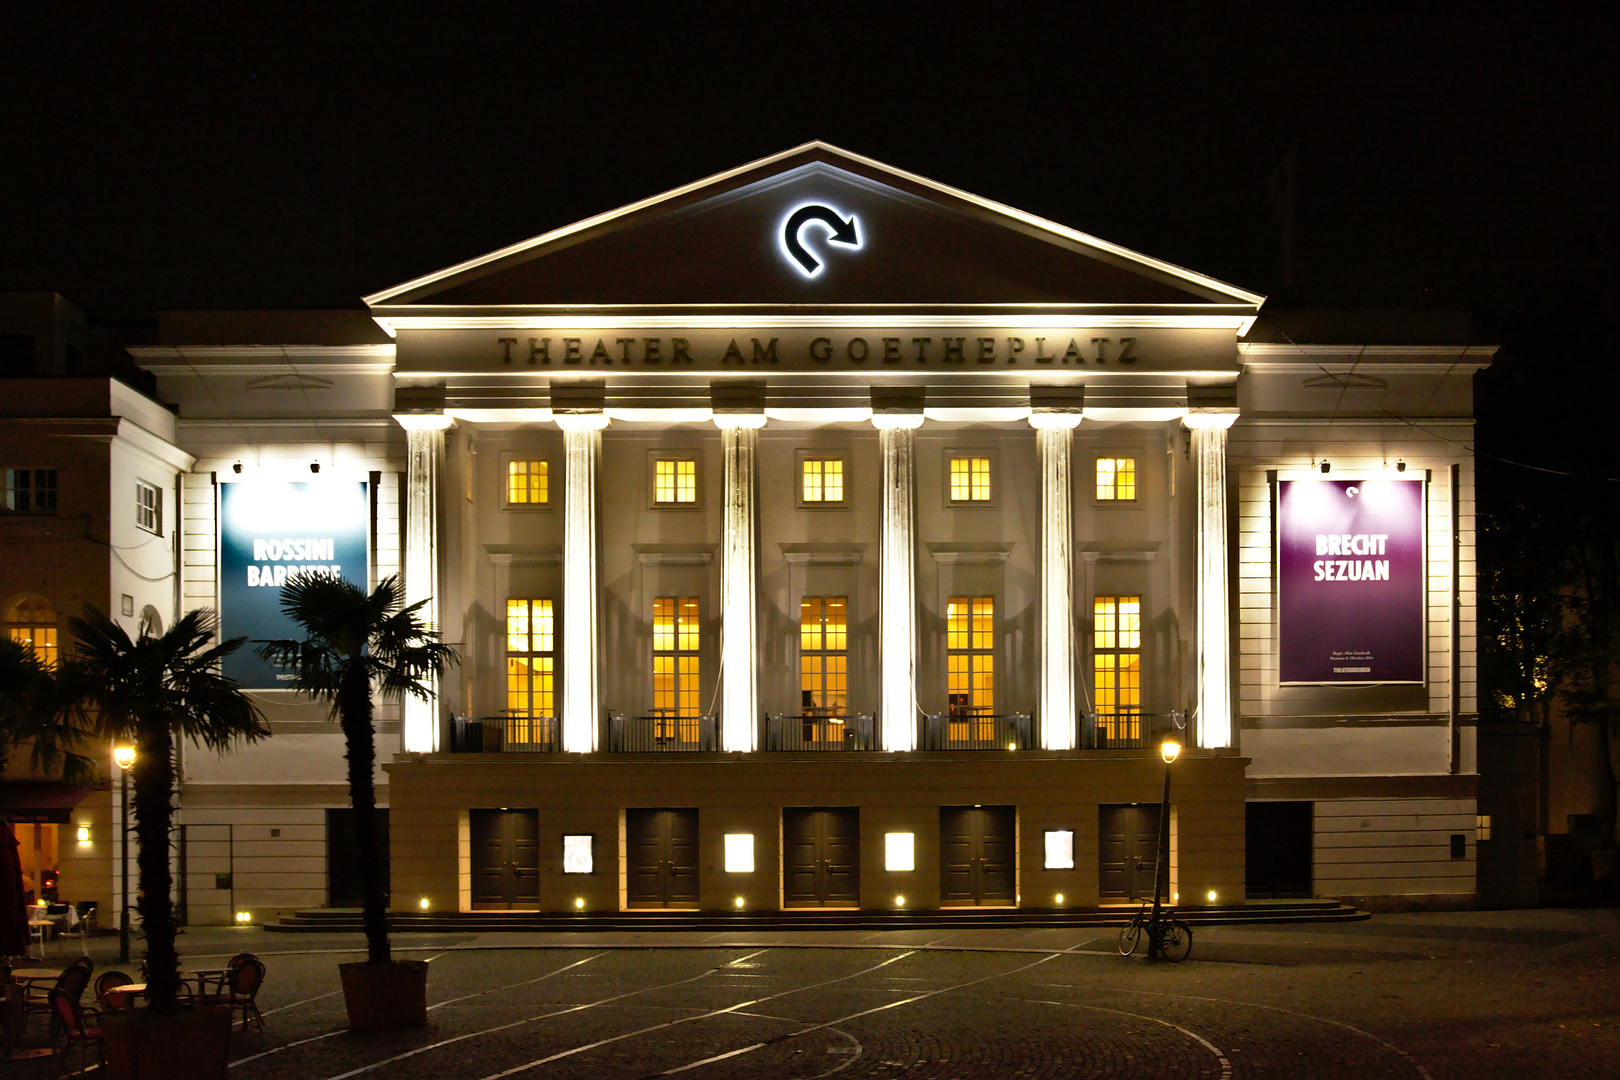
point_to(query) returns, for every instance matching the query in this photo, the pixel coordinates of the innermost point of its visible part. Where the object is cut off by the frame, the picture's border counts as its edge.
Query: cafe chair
(112, 980)
(73, 1025)
(72, 982)
(81, 922)
(242, 981)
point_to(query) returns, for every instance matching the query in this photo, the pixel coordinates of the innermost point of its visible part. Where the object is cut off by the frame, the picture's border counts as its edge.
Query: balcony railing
(505, 735)
(1128, 729)
(978, 729)
(661, 732)
(821, 731)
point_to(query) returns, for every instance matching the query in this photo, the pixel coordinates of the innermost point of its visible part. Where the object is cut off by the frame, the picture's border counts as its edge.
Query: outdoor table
(128, 990)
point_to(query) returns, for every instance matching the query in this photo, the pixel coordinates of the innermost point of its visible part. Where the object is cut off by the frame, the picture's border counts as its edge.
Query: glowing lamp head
(579, 903)
(1170, 749)
(422, 903)
(124, 756)
(244, 917)
(1059, 899)
(84, 834)
(738, 902)
(899, 901)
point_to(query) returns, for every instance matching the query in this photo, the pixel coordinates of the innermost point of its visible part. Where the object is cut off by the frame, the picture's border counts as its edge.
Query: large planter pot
(194, 1043)
(385, 997)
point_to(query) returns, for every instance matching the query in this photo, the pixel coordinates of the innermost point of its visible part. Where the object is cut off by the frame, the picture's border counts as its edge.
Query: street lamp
(1169, 750)
(124, 758)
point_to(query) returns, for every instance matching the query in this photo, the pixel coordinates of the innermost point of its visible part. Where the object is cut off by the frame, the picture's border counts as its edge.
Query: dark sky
(259, 158)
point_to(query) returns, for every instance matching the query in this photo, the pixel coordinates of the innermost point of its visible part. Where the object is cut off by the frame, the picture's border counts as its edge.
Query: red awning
(39, 802)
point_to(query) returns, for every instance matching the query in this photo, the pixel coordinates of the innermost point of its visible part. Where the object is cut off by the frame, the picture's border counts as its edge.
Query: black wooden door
(505, 858)
(1279, 840)
(663, 854)
(823, 865)
(1127, 845)
(978, 854)
(343, 858)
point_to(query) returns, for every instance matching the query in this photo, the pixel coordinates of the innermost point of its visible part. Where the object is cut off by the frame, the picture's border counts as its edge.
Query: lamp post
(124, 758)
(1169, 750)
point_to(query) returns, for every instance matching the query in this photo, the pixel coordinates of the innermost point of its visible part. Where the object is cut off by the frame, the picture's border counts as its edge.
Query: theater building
(819, 536)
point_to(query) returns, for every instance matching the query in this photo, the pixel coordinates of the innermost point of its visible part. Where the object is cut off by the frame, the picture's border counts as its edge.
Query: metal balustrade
(820, 731)
(505, 735)
(1129, 730)
(662, 732)
(977, 729)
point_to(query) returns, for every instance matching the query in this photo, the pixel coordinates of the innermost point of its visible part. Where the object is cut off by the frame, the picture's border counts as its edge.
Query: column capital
(740, 421)
(1054, 420)
(1216, 418)
(580, 421)
(423, 421)
(897, 421)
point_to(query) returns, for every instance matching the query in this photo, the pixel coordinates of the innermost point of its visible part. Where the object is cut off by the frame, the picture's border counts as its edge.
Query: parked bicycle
(1174, 936)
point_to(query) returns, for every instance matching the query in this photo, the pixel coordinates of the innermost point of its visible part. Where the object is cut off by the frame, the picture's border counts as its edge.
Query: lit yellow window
(1116, 479)
(675, 480)
(31, 622)
(823, 480)
(528, 483)
(970, 479)
(823, 655)
(675, 660)
(970, 666)
(1117, 665)
(530, 670)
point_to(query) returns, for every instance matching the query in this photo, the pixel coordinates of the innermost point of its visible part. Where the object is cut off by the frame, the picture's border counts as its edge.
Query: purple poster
(1350, 581)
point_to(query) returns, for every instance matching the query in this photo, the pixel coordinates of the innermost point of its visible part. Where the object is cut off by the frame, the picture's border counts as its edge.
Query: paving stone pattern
(1456, 995)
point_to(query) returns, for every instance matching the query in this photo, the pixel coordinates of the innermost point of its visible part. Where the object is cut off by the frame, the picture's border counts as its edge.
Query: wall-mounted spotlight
(315, 466)
(237, 468)
(1400, 466)
(1325, 467)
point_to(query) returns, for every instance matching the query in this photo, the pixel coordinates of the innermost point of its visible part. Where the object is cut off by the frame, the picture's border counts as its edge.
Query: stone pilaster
(582, 448)
(1214, 673)
(1054, 433)
(739, 642)
(897, 614)
(424, 459)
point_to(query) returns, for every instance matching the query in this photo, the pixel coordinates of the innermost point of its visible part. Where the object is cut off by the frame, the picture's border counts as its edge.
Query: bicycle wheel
(1130, 935)
(1177, 941)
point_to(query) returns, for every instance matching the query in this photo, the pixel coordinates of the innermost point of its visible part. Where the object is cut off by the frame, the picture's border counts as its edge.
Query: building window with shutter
(149, 507)
(1117, 666)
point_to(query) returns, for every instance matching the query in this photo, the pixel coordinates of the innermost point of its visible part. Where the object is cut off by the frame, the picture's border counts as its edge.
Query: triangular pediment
(815, 227)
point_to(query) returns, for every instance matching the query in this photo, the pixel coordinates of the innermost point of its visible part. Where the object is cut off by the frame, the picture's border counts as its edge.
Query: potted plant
(358, 642)
(148, 691)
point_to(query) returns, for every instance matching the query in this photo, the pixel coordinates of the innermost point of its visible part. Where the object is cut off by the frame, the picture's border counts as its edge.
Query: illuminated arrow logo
(839, 231)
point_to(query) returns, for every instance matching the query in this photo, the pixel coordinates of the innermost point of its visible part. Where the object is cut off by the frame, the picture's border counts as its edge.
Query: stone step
(347, 920)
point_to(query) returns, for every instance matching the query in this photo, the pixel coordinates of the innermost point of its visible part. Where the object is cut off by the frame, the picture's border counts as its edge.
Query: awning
(33, 801)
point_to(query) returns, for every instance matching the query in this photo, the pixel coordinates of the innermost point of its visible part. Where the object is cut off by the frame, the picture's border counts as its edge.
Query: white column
(424, 454)
(739, 653)
(897, 612)
(582, 446)
(1054, 432)
(1213, 628)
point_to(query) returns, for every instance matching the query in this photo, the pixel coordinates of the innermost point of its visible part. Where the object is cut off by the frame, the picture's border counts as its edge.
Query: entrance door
(823, 857)
(1127, 846)
(1279, 841)
(343, 857)
(505, 858)
(978, 846)
(663, 854)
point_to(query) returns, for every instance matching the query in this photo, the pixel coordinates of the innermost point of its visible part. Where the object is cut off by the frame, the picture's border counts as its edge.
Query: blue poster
(269, 530)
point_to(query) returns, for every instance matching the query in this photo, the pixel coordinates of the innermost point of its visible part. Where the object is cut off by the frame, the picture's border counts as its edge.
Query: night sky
(262, 159)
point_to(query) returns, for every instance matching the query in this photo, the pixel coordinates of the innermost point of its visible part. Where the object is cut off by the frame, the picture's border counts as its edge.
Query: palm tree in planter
(149, 691)
(357, 643)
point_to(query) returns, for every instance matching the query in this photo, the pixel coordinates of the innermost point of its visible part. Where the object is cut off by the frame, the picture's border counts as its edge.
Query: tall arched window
(32, 622)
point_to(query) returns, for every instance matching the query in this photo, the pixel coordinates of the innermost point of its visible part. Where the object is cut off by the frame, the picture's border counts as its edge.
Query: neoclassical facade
(819, 536)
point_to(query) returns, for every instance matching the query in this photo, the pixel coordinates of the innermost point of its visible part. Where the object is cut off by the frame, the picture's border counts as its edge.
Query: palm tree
(27, 716)
(357, 642)
(148, 691)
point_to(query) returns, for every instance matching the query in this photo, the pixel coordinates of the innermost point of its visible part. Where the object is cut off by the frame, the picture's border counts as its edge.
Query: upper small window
(30, 491)
(675, 481)
(31, 623)
(528, 482)
(1116, 479)
(149, 507)
(968, 478)
(821, 481)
